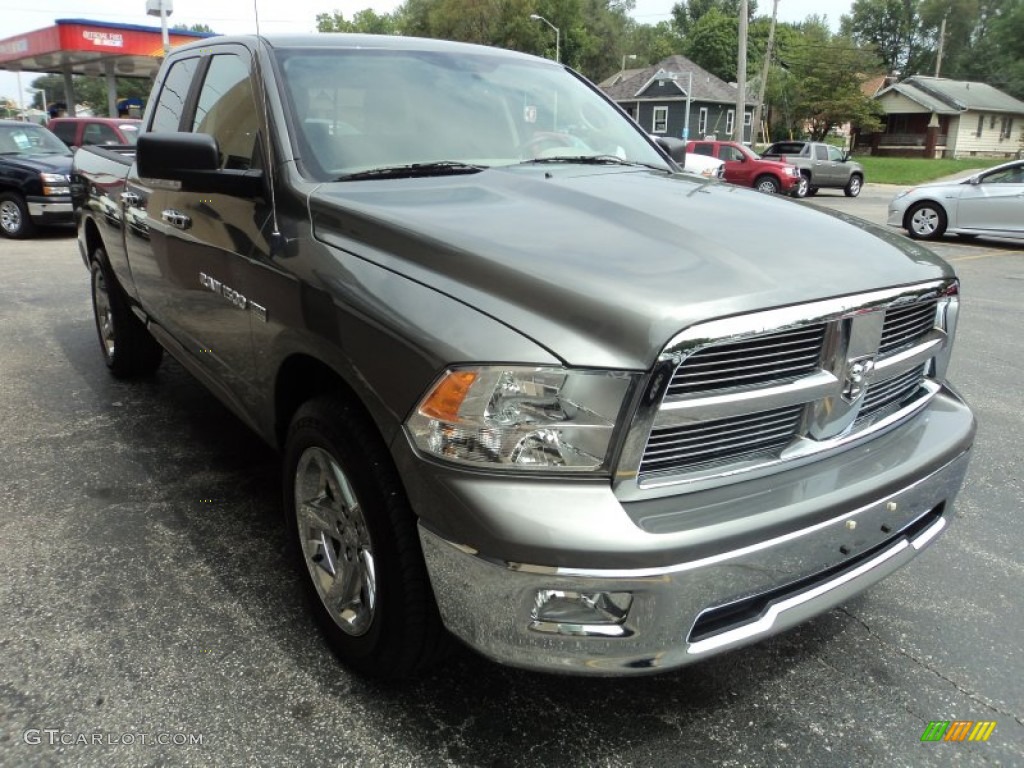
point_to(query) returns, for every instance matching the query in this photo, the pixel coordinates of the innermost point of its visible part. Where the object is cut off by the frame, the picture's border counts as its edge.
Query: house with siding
(657, 97)
(938, 117)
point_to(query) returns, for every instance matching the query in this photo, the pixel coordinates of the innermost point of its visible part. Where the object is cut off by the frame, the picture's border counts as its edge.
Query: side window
(227, 111)
(835, 155)
(731, 154)
(167, 114)
(820, 152)
(97, 133)
(65, 132)
(703, 149)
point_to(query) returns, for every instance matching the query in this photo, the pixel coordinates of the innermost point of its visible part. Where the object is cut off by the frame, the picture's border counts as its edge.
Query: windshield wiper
(438, 168)
(593, 160)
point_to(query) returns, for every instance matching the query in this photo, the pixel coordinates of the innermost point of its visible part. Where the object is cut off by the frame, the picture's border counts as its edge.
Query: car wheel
(14, 219)
(925, 221)
(853, 186)
(802, 187)
(128, 348)
(767, 184)
(355, 541)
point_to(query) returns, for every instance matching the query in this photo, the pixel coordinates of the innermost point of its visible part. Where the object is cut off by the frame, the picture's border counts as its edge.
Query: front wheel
(128, 348)
(925, 221)
(14, 219)
(802, 187)
(767, 184)
(355, 541)
(853, 186)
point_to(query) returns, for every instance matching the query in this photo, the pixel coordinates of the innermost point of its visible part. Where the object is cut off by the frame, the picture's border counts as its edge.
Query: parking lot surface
(151, 618)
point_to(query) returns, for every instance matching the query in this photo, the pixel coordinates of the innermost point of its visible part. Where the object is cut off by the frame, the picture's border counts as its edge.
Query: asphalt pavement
(150, 617)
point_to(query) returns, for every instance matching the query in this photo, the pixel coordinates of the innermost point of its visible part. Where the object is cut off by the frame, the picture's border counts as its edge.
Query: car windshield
(30, 139)
(786, 148)
(366, 110)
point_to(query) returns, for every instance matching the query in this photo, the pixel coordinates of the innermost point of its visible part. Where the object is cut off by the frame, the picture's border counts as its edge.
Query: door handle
(176, 219)
(130, 199)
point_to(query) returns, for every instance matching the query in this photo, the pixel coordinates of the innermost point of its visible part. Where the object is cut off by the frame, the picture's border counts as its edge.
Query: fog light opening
(565, 612)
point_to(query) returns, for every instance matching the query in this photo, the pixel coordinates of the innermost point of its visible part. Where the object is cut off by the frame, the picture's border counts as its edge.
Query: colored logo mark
(958, 730)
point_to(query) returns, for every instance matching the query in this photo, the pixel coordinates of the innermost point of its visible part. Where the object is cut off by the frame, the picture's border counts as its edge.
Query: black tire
(925, 221)
(854, 185)
(128, 348)
(767, 184)
(803, 186)
(14, 219)
(357, 546)
(812, 191)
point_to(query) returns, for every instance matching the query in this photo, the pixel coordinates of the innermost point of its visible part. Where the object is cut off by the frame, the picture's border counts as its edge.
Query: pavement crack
(972, 695)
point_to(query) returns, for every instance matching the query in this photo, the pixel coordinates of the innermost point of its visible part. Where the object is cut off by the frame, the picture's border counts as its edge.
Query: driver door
(995, 203)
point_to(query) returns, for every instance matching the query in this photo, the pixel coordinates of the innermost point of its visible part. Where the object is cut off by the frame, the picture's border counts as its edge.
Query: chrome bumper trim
(488, 603)
(36, 210)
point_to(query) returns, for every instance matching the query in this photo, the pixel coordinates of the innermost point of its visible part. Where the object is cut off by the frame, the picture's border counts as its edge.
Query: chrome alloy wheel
(925, 221)
(10, 216)
(104, 314)
(335, 543)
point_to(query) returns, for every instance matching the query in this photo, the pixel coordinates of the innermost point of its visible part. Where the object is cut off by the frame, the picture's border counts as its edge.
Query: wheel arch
(916, 203)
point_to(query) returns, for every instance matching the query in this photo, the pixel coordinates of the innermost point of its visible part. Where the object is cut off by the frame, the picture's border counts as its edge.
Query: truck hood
(40, 163)
(603, 266)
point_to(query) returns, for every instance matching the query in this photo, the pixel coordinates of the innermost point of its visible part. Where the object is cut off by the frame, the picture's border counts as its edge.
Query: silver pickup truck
(532, 385)
(821, 166)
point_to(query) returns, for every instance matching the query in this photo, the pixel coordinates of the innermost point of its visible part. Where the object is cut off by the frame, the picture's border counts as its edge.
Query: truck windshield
(361, 110)
(30, 139)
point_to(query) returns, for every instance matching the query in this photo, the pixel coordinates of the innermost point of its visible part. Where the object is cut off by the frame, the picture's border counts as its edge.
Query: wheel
(128, 348)
(925, 221)
(354, 538)
(802, 187)
(853, 186)
(767, 184)
(14, 219)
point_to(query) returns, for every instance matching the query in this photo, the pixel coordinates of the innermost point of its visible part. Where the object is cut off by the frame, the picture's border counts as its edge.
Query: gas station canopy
(83, 47)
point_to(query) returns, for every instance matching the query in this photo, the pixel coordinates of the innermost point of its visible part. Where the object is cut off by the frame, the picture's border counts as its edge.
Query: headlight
(519, 418)
(55, 183)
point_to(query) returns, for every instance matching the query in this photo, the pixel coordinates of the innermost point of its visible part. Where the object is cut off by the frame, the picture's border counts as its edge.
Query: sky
(237, 17)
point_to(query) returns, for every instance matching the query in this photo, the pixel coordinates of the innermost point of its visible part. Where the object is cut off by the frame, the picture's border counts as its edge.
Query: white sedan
(988, 203)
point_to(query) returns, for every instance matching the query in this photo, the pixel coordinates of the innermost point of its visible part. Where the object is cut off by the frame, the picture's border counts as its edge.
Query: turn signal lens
(446, 399)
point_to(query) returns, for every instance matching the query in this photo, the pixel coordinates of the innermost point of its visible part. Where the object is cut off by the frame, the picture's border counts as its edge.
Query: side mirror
(674, 148)
(193, 159)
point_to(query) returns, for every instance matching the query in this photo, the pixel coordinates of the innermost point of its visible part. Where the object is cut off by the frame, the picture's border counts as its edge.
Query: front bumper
(47, 211)
(663, 615)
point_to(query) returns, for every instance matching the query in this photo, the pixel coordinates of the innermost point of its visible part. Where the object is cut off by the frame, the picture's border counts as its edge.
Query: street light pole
(558, 35)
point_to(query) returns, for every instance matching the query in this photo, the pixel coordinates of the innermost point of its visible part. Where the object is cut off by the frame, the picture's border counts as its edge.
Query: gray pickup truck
(531, 384)
(821, 166)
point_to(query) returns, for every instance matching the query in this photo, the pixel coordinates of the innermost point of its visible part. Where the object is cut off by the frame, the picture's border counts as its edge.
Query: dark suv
(35, 179)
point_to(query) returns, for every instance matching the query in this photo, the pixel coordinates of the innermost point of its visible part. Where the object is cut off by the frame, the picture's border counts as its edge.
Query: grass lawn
(907, 171)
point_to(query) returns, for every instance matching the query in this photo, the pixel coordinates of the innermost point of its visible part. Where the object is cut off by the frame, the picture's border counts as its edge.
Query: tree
(893, 27)
(366, 21)
(686, 13)
(192, 28)
(712, 43)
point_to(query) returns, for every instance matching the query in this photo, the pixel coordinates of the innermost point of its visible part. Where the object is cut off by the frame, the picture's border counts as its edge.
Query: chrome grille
(905, 325)
(892, 391)
(710, 441)
(772, 358)
(754, 392)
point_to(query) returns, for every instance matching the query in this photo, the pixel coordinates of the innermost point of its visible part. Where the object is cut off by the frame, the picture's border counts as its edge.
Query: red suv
(745, 168)
(83, 131)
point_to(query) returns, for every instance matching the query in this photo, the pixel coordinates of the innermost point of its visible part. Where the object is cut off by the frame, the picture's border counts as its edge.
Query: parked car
(89, 131)
(988, 203)
(742, 166)
(35, 179)
(823, 165)
(702, 165)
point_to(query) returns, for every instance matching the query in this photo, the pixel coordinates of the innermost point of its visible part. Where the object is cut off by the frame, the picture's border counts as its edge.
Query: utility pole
(756, 122)
(942, 40)
(741, 77)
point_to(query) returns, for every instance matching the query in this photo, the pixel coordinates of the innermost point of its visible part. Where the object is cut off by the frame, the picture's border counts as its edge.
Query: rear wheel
(128, 348)
(767, 184)
(925, 221)
(853, 186)
(355, 541)
(14, 219)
